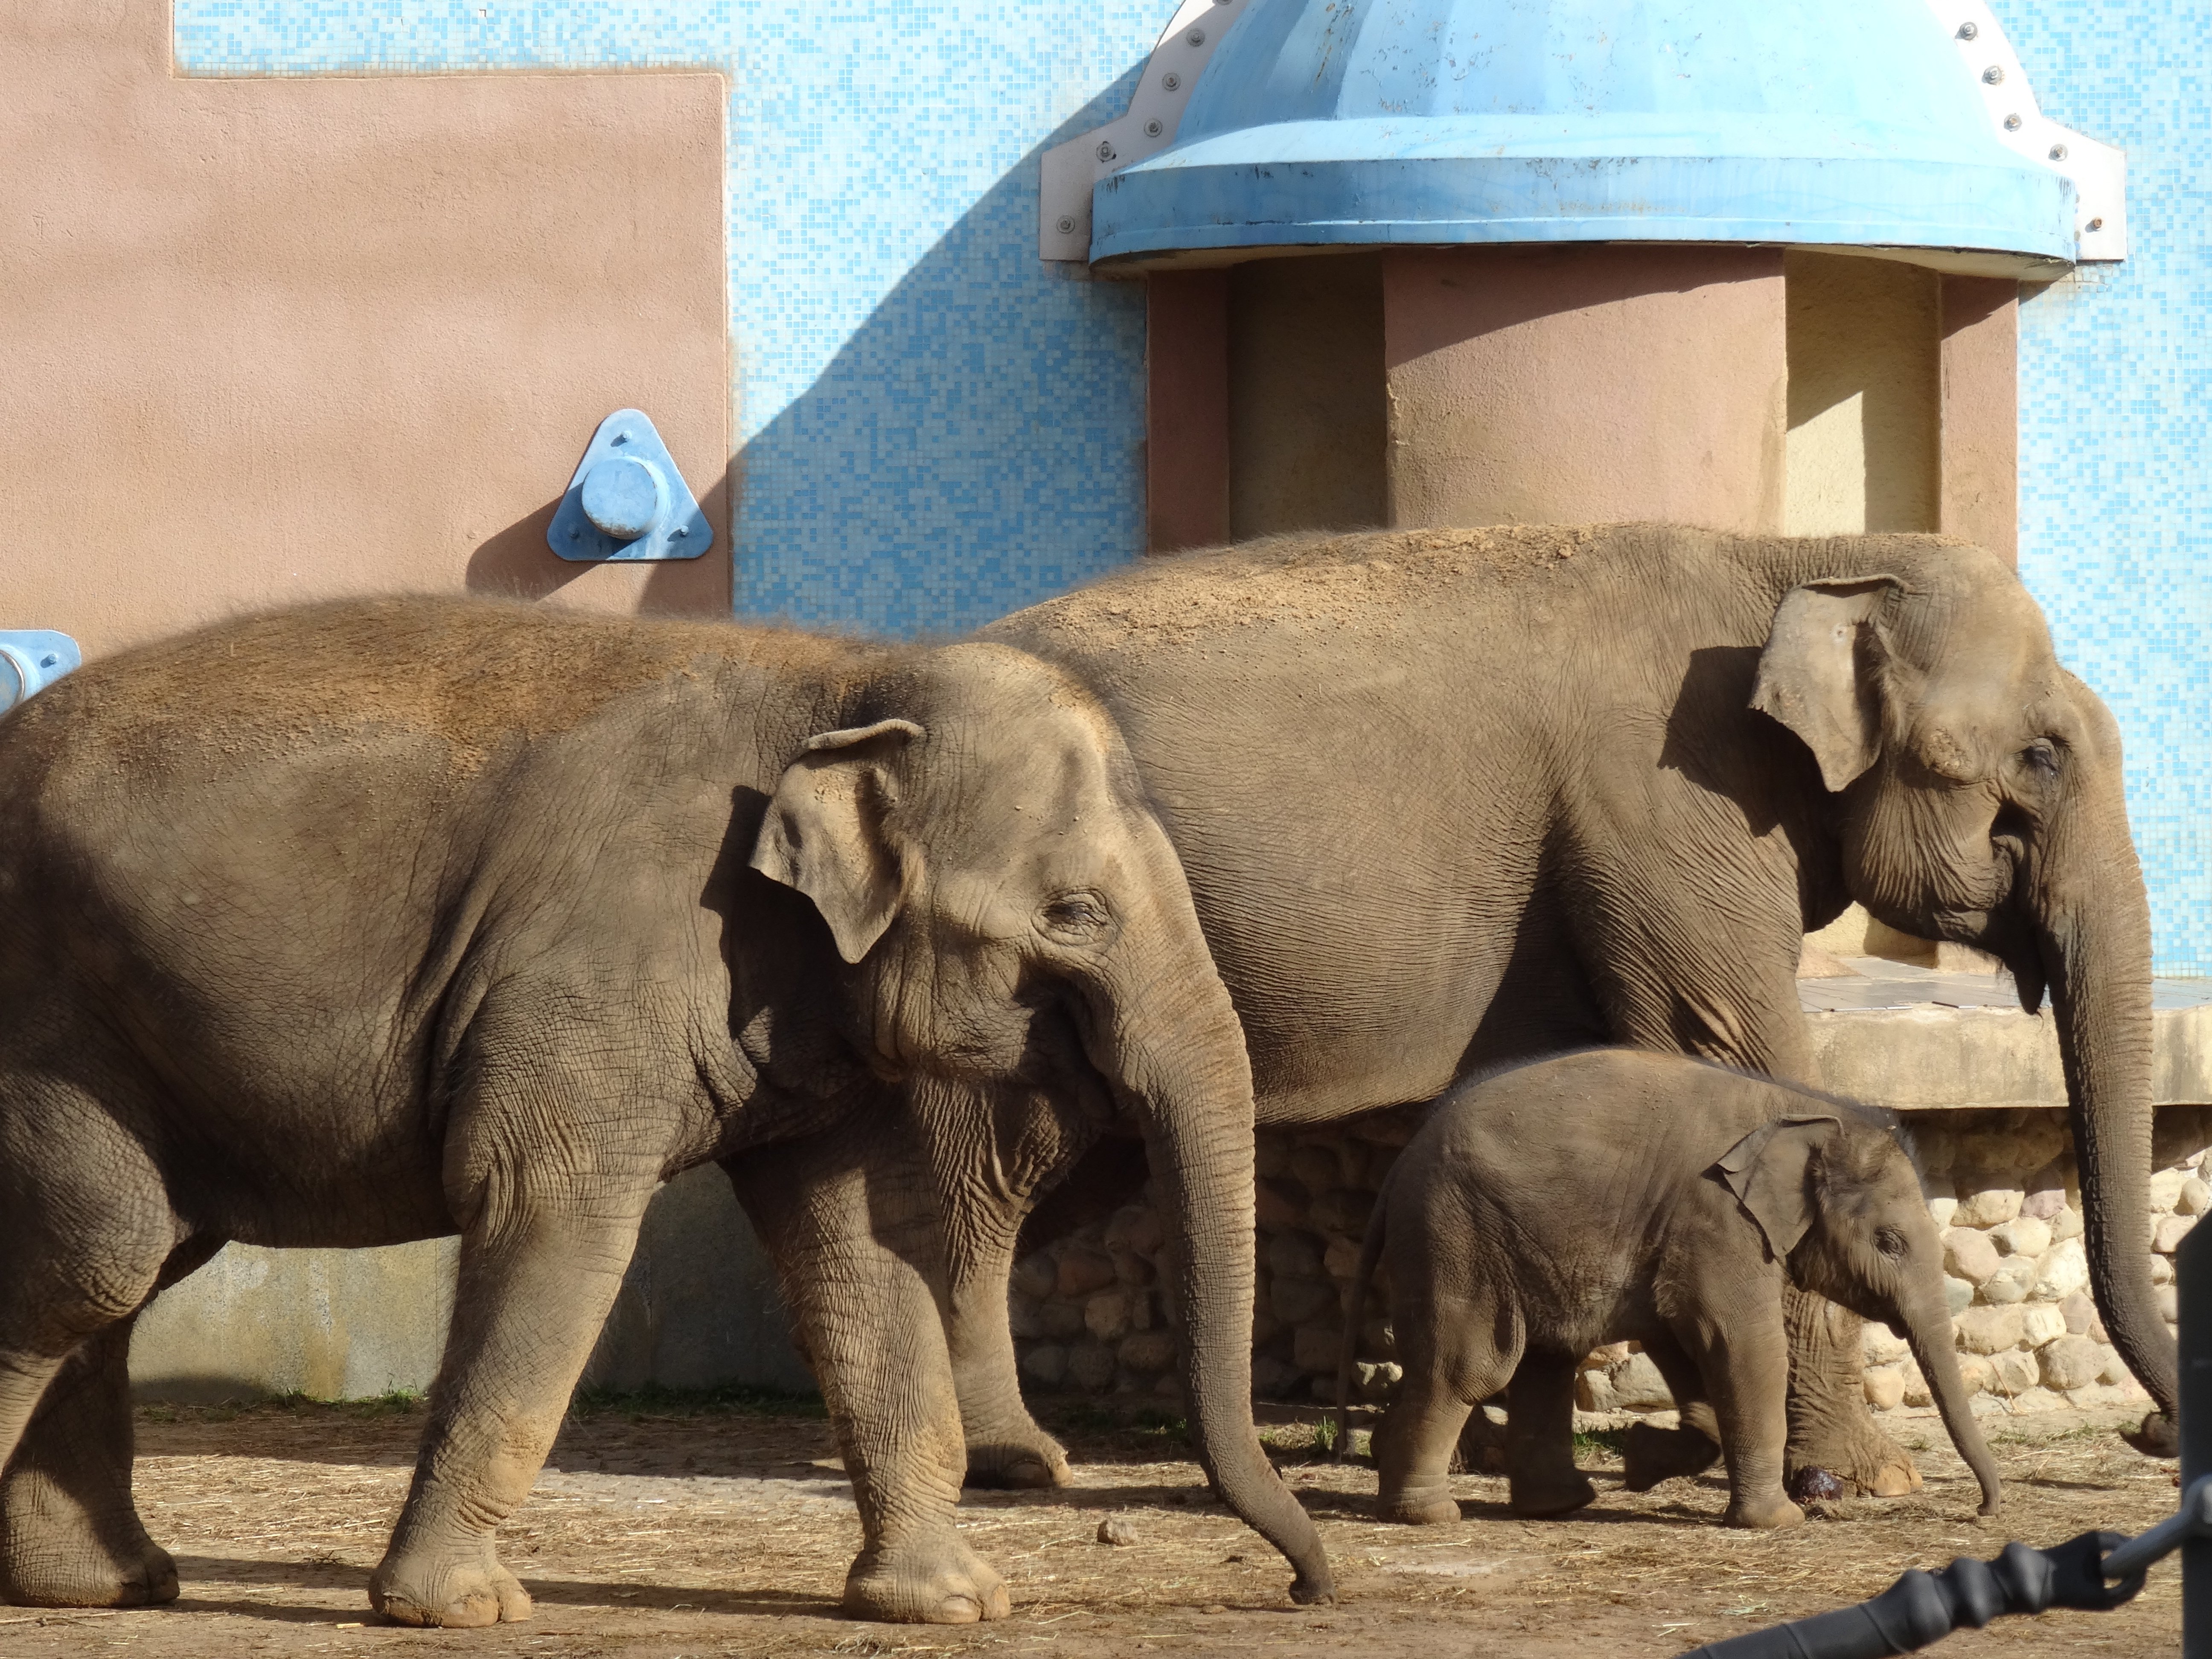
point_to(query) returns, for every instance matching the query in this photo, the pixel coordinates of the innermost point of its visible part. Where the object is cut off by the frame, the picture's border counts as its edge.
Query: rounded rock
(1083, 1270)
(1989, 1330)
(1884, 1387)
(2079, 1312)
(1969, 1254)
(1091, 1365)
(1146, 1351)
(2021, 1236)
(2195, 1197)
(2041, 1323)
(2068, 1362)
(2172, 1229)
(2064, 1272)
(1987, 1207)
(1046, 1363)
(1107, 1316)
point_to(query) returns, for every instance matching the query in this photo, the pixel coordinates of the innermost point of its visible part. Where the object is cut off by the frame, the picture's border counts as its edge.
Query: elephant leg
(70, 1532)
(1482, 1443)
(1742, 1355)
(82, 1254)
(850, 1223)
(1540, 1436)
(1653, 1454)
(544, 1243)
(1830, 1425)
(1452, 1359)
(1006, 1447)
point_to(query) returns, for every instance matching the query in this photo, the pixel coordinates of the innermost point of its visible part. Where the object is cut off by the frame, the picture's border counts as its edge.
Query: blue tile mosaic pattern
(2115, 399)
(933, 427)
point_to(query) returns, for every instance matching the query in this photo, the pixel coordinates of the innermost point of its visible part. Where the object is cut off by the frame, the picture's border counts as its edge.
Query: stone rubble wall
(1089, 1313)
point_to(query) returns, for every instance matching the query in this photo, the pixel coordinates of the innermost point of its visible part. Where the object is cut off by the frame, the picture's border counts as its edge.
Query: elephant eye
(2041, 757)
(1890, 1242)
(1079, 918)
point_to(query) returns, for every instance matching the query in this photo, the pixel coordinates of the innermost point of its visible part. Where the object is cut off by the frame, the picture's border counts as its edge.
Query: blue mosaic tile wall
(933, 427)
(2115, 399)
(936, 429)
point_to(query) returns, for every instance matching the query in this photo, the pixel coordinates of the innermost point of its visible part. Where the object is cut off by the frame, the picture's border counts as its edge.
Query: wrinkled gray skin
(1622, 1196)
(380, 921)
(1446, 799)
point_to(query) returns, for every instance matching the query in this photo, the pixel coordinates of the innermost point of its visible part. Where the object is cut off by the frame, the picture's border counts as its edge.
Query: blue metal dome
(1319, 123)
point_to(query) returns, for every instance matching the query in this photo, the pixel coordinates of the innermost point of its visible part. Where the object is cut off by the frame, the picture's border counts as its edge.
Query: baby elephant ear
(823, 833)
(1766, 1172)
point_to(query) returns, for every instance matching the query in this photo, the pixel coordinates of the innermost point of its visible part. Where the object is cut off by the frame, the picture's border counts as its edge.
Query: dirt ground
(675, 1528)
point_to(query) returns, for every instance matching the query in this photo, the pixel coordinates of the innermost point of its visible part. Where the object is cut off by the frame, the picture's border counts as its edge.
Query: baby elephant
(1617, 1194)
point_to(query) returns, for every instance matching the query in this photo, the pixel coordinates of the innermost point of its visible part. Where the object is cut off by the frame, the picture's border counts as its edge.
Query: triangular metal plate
(681, 531)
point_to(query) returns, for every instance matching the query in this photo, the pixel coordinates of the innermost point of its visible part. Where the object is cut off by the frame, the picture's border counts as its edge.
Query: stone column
(1185, 410)
(1980, 357)
(1582, 384)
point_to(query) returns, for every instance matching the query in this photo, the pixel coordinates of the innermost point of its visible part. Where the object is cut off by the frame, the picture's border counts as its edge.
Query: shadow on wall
(975, 446)
(698, 1308)
(518, 564)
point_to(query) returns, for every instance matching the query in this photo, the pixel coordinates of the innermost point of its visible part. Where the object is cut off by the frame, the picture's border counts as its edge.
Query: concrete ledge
(1886, 1041)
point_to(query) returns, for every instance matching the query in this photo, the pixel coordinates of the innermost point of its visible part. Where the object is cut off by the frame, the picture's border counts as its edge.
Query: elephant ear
(823, 834)
(1811, 674)
(1765, 1170)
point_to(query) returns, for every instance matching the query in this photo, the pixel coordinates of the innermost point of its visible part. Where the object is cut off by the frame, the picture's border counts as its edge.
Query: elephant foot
(1560, 1494)
(1867, 1462)
(456, 1589)
(932, 1580)
(1417, 1506)
(1769, 1513)
(1653, 1454)
(2155, 1437)
(84, 1571)
(1018, 1459)
(55, 1552)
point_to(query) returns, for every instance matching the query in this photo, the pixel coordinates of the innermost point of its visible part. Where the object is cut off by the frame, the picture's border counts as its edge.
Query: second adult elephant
(1447, 797)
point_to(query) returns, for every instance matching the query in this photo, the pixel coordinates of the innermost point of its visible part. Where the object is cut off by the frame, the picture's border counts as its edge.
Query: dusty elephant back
(1361, 745)
(475, 675)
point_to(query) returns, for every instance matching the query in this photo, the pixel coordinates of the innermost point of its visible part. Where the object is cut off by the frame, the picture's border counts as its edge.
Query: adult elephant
(1448, 797)
(373, 922)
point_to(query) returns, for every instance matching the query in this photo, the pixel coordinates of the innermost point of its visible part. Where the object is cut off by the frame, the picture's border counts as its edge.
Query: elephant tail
(1355, 1315)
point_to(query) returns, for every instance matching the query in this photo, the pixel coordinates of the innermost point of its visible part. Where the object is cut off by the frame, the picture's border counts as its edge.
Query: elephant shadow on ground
(352, 1582)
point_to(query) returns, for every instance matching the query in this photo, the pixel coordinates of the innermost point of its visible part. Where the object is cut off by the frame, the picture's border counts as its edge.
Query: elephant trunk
(1928, 1334)
(2096, 952)
(1179, 1055)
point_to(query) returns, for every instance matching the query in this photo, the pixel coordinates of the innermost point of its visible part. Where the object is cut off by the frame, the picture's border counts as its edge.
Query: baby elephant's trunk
(1928, 1334)
(1355, 1315)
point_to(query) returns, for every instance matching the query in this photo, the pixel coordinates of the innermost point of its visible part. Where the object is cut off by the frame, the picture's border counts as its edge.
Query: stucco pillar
(1185, 410)
(1980, 357)
(1585, 384)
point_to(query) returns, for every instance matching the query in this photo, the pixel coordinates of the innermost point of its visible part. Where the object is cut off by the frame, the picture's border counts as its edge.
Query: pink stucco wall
(270, 340)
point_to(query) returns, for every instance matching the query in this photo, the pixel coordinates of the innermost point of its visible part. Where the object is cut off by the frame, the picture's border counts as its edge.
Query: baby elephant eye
(1079, 918)
(1891, 1242)
(2041, 757)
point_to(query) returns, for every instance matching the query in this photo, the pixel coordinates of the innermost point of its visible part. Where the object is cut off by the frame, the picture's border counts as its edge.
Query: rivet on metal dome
(1904, 125)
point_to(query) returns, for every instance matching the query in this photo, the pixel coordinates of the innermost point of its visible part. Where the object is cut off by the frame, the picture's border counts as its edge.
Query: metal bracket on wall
(627, 500)
(2099, 172)
(1069, 170)
(31, 659)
